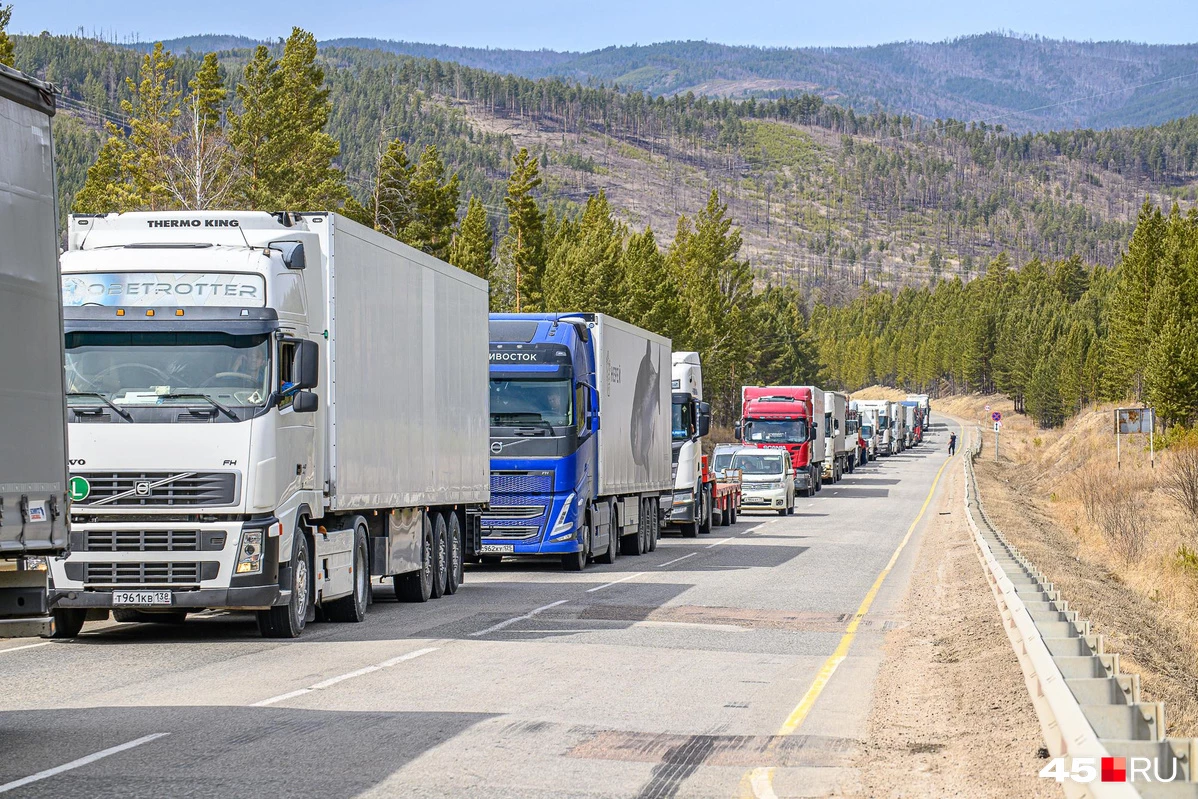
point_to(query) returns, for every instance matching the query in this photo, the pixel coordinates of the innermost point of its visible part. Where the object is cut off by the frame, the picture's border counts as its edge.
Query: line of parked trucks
(275, 412)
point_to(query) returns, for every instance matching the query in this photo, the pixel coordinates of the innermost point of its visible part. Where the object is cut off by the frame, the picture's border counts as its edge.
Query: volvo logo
(142, 488)
(496, 447)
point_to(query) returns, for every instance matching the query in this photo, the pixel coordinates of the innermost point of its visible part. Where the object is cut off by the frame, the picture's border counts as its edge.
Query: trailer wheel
(731, 511)
(288, 621)
(725, 512)
(455, 572)
(653, 510)
(68, 622)
(417, 586)
(440, 555)
(352, 608)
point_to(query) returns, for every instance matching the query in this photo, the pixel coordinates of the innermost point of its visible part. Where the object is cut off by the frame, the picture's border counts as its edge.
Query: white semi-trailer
(691, 505)
(837, 447)
(33, 456)
(265, 411)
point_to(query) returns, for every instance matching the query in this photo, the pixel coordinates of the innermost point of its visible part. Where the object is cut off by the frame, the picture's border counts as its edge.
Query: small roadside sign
(987, 409)
(997, 426)
(996, 416)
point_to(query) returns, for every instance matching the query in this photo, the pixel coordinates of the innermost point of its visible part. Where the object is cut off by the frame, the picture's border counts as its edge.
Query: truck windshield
(531, 401)
(883, 422)
(777, 431)
(682, 425)
(867, 431)
(758, 464)
(133, 369)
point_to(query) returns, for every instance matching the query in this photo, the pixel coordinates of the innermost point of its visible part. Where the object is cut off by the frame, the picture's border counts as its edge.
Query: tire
(790, 509)
(731, 511)
(689, 529)
(646, 529)
(654, 511)
(455, 572)
(726, 513)
(288, 621)
(781, 511)
(68, 622)
(352, 608)
(575, 561)
(613, 547)
(440, 555)
(705, 523)
(629, 544)
(417, 586)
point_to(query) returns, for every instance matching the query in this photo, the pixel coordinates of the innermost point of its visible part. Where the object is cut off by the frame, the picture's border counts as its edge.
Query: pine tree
(135, 170)
(278, 135)
(392, 206)
(651, 299)
(1171, 372)
(584, 271)
(202, 171)
(521, 262)
(8, 56)
(436, 199)
(251, 127)
(473, 243)
(1129, 340)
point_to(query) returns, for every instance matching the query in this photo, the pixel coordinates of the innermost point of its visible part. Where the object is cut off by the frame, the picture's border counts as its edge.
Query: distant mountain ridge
(1024, 83)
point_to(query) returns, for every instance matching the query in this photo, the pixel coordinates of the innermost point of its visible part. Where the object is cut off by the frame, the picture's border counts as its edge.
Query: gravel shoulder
(951, 714)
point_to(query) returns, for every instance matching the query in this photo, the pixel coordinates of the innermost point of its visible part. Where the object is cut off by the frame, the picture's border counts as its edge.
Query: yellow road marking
(758, 783)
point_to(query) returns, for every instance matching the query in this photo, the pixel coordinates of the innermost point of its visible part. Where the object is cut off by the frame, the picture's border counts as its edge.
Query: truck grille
(521, 482)
(167, 573)
(514, 512)
(142, 541)
(125, 489)
(513, 532)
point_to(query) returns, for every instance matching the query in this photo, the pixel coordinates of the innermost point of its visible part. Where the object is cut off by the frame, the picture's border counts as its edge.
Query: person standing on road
(952, 444)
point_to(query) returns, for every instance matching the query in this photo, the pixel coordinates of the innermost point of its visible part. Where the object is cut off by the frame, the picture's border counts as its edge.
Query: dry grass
(1113, 539)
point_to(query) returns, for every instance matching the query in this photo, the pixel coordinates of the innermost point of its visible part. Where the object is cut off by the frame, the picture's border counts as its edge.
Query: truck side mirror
(307, 365)
(704, 419)
(813, 434)
(305, 402)
(738, 432)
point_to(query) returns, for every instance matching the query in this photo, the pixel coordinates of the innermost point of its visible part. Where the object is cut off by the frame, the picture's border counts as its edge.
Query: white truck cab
(691, 504)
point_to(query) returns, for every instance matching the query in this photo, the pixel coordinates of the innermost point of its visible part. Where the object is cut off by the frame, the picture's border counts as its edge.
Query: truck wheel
(352, 608)
(613, 546)
(705, 524)
(575, 561)
(68, 622)
(455, 571)
(654, 512)
(725, 513)
(440, 555)
(417, 586)
(645, 532)
(731, 511)
(690, 529)
(288, 621)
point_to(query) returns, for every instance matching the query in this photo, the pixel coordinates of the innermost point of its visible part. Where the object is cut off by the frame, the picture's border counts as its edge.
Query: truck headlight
(682, 497)
(249, 552)
(563, 525)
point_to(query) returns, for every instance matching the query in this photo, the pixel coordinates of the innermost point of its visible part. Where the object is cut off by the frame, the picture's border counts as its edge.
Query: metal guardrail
(1086, 706)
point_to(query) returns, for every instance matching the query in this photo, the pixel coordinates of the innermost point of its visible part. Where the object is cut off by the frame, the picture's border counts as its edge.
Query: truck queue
(272, 412)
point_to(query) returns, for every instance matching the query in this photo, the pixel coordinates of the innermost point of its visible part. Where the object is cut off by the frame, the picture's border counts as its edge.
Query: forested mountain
(827, 197)
(1025, 83)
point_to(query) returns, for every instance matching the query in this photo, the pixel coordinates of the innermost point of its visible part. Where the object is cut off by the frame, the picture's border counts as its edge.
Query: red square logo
(1114, 769)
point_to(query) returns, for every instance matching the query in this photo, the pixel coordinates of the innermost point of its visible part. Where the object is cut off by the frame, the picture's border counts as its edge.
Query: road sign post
(997, 417)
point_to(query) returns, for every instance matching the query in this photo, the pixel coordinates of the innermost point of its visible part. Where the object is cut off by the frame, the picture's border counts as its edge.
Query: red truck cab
(790, 418)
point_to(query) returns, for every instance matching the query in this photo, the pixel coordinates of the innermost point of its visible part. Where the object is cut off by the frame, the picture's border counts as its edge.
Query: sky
(573, 25)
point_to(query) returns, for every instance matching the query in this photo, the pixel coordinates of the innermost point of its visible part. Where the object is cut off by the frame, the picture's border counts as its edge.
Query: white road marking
(675, 560)
(721, 541)
(349, 675)
(83, 761)
(613, 582)
(26, 646)
(497, 627)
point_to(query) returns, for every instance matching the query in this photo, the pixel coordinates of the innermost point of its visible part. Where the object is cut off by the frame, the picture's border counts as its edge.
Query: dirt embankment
(1056, 496)
(952, 715)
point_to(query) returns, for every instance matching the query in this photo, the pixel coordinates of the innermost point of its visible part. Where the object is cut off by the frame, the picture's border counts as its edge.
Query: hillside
(1026, 83)
(825, 196)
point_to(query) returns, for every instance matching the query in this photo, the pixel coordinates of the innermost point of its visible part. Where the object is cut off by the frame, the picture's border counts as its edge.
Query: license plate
(141, 597)
(490, 549)
(755, 500)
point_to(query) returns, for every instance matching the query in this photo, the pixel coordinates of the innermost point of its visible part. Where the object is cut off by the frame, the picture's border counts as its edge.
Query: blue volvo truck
(580, 438)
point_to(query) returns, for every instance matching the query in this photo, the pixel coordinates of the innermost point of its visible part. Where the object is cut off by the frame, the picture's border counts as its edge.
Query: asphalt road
(685, 672)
